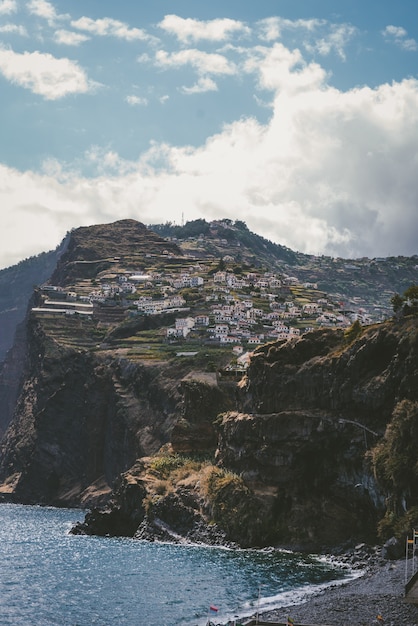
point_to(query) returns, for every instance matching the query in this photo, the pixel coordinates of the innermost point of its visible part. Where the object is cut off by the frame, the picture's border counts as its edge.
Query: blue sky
(298, 117)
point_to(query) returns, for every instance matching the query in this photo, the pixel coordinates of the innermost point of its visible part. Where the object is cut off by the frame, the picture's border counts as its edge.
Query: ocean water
(48, 576)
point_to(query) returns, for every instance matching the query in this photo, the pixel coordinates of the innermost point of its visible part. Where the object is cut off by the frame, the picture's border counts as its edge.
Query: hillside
(360, 287)
(189, 384)
(354, 283)
(16, 287)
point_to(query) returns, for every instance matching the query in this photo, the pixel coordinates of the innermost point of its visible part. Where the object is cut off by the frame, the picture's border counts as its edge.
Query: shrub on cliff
(235, 508)
(353, 332)
(406, 304)
(395, 465)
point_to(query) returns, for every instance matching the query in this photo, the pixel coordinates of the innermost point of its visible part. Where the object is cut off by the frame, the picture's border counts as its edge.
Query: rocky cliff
(16, 288)
(315, 445)
(313, 414)
(82, 418)
(76, 410)
(308, 458)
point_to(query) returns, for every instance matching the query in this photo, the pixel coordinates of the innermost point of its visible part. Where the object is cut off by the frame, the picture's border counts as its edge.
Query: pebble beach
(379, 591)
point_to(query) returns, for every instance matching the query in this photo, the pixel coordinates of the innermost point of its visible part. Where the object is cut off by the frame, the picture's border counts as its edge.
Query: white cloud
(203, 85)
(191, 30)
(44, 74)
(398, 35)
(45, 10)
(7, 7)
(335, 40)
(202, 62)
(271, 28)
(331, 171)
(144, 58)
(279, 68)
(395, 31)
(136, 101)
(107, 163)
(319, 35)
(108, 27)
(14, 29)
(35, 214)
(409, 44)
(69, 38)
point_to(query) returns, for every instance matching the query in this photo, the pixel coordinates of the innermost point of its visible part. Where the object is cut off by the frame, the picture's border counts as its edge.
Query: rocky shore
(379, 590)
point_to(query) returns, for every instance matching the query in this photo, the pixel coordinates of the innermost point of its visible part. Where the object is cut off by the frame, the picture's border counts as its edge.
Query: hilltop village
(212, 302)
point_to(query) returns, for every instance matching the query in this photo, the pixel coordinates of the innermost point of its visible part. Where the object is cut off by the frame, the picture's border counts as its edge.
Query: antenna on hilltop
(182, 219)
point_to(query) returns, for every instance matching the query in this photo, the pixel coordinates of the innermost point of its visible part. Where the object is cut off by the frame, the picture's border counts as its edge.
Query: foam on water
(48, 576)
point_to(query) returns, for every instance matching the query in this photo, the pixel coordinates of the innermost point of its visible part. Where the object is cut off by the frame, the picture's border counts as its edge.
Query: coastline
(378, 591)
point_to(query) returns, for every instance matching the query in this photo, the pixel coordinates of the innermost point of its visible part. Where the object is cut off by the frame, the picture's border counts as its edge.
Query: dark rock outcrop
(81, 417)
(203, 400)
(298, 455)
(314, 411)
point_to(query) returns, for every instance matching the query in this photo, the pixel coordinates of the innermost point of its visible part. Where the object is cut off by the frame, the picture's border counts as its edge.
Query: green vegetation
(235, 233)
(234, 507)
(406, 304)
(164, 466)
(394, 461)
(190, 229)
(352, 333)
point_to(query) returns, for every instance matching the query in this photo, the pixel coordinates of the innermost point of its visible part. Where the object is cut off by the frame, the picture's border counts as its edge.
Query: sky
(299, 118)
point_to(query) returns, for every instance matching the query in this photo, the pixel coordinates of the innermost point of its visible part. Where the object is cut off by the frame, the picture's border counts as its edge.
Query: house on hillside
(202, 320)
(221, 330)
(256, 340)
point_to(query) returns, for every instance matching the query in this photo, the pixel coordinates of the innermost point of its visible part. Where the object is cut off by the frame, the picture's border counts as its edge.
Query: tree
(397, 302)
(407, 303)
(411, 296)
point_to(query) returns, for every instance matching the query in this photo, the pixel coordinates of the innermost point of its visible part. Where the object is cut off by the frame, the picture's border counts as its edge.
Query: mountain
(359, 284)
(192, 387)
(355, 284)
(16, 288)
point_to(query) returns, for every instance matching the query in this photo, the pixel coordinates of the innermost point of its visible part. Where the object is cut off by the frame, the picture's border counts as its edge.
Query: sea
(49, 576)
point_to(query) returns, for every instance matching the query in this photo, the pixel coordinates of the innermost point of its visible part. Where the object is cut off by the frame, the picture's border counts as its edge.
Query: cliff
(16, 288)
(316, 412)
(307, 459)
(82, 418)
(92, 249)
(76, 408)
(313, 445)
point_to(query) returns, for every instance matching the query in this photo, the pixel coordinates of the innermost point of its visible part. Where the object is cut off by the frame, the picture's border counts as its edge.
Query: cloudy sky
(298, 117)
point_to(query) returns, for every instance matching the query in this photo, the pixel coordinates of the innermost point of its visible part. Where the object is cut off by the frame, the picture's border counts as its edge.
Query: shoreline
(357, 602)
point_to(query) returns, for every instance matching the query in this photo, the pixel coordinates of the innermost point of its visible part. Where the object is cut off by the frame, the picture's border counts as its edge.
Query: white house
(229, 339)
(202, 320)
(221, 330)
(185, 322)
(256, 340)
(196, 281)
(219, 277)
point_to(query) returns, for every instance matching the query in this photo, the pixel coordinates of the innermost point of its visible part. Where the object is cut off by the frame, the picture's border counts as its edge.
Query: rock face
(83, 418)
(16, 288)
(315, 446)
(10, 377)
(312, 414)
(314, 411)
